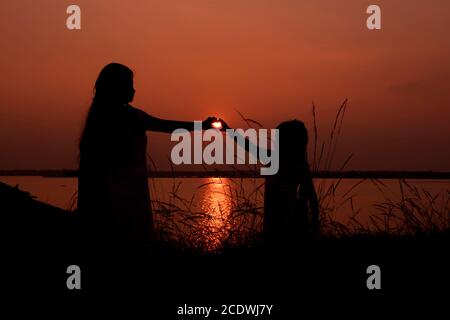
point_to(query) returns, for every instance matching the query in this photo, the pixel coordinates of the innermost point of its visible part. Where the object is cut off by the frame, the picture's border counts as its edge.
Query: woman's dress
(113, 194)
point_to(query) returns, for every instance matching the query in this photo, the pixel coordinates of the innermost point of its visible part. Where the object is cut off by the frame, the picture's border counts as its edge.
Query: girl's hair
(113, 87)
(293, 141)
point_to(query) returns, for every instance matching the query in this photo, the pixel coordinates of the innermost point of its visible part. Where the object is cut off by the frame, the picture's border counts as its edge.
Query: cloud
(427, 86)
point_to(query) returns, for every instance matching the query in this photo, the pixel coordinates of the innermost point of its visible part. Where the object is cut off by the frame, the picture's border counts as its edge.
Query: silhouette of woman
(291, 207)
(113, 193)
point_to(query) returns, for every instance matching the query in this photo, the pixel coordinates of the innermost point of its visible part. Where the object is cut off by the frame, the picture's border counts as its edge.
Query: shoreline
(353, 174)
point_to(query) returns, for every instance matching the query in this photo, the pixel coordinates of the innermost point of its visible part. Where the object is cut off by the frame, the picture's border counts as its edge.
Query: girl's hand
(224, 125)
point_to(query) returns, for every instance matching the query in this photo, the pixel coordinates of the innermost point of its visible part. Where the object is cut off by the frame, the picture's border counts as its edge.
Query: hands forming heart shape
(215, 123)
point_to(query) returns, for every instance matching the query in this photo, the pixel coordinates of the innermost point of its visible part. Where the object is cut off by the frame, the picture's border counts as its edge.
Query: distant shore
(375, 174)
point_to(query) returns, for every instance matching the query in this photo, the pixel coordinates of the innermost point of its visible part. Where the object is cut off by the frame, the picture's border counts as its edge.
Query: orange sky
(266, 58)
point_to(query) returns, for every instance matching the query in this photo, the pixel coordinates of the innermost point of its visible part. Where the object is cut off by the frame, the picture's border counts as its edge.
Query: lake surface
(210, 210)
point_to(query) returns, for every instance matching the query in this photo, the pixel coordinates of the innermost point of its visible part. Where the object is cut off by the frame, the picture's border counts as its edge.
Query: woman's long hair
(113, 88)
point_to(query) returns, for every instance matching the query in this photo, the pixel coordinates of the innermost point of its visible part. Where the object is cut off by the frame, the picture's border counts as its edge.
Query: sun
(217, 125)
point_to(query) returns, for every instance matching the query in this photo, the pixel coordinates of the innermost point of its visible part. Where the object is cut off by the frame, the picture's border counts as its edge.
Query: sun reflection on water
(216, 204)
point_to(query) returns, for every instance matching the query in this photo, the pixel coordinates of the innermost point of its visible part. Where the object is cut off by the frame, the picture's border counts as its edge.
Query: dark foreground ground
(326, 276)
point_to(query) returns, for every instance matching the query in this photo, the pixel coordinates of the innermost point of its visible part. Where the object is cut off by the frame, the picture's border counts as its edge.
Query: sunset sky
(268, 59)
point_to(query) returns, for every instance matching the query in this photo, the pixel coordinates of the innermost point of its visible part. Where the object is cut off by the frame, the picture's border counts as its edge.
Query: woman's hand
(215, 123)
(208, 123)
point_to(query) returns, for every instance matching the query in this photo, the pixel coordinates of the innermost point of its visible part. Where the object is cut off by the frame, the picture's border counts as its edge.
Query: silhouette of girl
(291, 207)
(113, 194)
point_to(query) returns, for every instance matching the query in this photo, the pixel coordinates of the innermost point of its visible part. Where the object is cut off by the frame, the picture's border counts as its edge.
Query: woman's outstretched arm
(152, 123)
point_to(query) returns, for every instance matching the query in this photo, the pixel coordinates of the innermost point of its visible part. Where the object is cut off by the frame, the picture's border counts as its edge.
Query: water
(208, 207)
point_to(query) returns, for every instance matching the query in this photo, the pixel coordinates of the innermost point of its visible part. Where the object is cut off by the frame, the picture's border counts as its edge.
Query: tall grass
(416, 212)
(233, 219)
